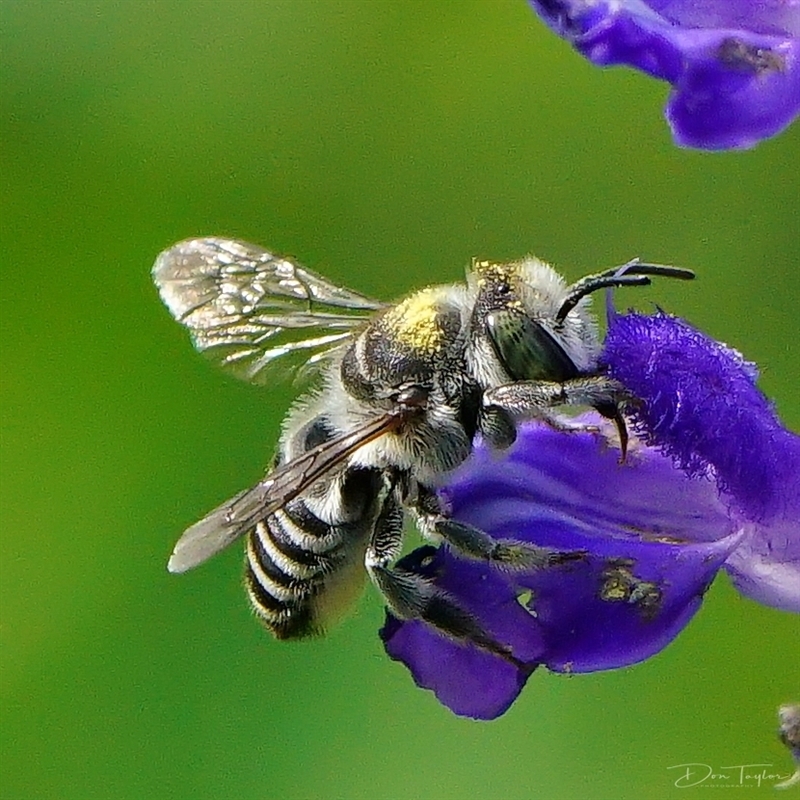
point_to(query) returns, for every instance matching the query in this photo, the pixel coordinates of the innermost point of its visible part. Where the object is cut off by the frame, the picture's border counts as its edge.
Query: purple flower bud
(734, 65)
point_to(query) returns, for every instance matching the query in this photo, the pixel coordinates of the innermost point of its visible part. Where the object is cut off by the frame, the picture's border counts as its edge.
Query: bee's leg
(613, 411)
(534, 399)
(411, 596)
(497, 427)
(528, 399)
(472, 542)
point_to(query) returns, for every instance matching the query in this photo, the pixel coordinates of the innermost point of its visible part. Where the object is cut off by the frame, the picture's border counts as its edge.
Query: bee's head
(526, 324)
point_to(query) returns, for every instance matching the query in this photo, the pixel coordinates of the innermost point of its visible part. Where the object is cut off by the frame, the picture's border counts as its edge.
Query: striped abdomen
(301, 570)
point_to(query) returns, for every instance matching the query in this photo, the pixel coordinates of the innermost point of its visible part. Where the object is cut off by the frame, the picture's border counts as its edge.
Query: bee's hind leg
(411, 596)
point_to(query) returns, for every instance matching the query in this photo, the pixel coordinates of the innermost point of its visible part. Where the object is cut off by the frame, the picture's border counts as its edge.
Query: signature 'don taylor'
(695, 774)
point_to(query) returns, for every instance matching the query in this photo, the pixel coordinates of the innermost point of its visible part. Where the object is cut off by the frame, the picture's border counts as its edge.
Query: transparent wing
(246, 307)
(238, 515)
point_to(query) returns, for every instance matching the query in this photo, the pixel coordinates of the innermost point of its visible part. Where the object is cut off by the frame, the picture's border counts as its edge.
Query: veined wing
(232, 519)
(246, 307)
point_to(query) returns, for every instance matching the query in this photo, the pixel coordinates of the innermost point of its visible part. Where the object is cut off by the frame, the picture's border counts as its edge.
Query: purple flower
(734, 65)
(711, 481)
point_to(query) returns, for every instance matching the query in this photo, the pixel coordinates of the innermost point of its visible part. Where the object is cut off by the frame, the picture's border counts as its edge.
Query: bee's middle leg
(472, 542)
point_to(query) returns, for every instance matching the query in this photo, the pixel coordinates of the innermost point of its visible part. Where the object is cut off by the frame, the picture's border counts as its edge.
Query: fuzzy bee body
(305, 561)
(404, 391)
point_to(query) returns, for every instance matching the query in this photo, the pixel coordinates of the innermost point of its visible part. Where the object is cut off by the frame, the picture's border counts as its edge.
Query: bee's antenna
(634, 273)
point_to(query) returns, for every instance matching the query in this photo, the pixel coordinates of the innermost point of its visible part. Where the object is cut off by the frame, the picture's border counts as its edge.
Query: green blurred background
(383, 144)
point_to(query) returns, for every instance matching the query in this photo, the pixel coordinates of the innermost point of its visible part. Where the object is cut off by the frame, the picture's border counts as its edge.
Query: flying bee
(403, 391)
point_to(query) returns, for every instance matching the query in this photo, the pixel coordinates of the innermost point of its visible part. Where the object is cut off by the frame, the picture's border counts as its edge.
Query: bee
(403, 391)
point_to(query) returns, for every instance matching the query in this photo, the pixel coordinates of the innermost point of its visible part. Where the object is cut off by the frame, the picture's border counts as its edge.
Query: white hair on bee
(545, 292)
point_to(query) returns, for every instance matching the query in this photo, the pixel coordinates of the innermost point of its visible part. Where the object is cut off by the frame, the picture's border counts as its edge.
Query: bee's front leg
(530, 399)
(497, 427)
(536, 399)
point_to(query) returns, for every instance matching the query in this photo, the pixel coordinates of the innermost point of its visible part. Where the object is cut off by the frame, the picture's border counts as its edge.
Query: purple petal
(766, 565)
(735, 92)
(471, 682)
(734, 66)
(702, 407)
(655, 539)
(627, 609)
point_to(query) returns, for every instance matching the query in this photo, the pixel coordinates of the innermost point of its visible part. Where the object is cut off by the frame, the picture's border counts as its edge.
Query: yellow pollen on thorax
(415, 321)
